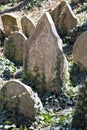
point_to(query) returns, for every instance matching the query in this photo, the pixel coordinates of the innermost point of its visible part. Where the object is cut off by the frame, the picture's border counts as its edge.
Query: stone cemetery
(13, 47)
(27, 26)
(47, 63)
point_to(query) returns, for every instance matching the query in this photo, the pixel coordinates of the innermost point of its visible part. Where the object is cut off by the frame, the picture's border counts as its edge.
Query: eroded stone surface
(80, 50)
(27, 25)
(11, 23)
(20, 96)
(42, 49)
(13, 47)
(64, 18)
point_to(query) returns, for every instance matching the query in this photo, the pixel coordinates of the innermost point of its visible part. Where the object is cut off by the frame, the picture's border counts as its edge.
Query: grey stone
(42, 48)
(64, 18)
(80, 50)
(22, 97)
(13, 47)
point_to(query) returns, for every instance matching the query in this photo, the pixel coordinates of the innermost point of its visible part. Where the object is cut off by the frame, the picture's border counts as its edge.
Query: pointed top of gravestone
(46, 20)
(64, 18)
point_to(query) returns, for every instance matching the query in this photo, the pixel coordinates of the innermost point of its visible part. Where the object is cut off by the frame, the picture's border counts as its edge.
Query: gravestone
(27, 25)
(42, 48)
(80, 50)
(22, 97)
(11, 23)
(64, 18)
(80, 115)
(13, 47)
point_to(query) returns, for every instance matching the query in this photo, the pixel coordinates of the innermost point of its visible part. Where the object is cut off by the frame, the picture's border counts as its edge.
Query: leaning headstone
(80, 115)
(64, 18)
(11, 23)
(43, 50)
(80, 50)
(13, 47)
(27, 25)
(22, 97)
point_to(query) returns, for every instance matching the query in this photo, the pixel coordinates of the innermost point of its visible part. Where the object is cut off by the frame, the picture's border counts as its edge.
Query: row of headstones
(42, 48)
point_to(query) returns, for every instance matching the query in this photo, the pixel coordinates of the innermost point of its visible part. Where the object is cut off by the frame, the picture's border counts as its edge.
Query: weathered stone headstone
(80, 50)
(11, 23)
(13, 47)
(22, 97)
(42, 48)
(80, 115)
(27, 25)
(64, 18)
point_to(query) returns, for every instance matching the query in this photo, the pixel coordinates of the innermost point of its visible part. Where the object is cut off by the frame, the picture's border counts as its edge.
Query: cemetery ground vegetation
(58, 108)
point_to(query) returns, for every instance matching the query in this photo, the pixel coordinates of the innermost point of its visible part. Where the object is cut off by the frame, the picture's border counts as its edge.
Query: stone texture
(42, 49)
(80, 50)
(11, 23)
(80, 115)
(64, 18)
(20, 96)
(13, 47)
(27, 25)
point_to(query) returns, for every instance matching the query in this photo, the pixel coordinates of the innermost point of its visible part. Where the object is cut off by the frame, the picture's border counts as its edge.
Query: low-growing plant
(7, 68)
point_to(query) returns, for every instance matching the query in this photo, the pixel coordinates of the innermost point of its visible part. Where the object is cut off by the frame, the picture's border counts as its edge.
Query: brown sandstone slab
(80, 50)
(11, 23)
(27, 25)
(13, 47)
(42, 49)
(64, 18)
(22, 97)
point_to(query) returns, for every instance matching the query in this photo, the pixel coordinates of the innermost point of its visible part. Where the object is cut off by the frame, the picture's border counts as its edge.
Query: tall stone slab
(11, 23)
(27, 26)
(64, 18)
(42, 49)
(13, 47)
(22, 97)
(80, 50)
